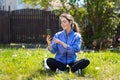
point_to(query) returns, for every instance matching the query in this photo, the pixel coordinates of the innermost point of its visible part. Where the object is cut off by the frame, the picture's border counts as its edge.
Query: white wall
(11, 3)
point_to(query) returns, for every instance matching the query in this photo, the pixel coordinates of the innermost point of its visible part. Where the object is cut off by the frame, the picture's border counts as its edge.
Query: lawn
(26, 64)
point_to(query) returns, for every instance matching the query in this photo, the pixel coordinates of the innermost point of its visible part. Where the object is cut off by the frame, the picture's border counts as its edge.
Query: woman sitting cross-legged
(65, 44)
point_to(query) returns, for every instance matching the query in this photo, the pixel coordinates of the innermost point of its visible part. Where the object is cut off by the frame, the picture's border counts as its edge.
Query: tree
(43, 3)
(102, 21)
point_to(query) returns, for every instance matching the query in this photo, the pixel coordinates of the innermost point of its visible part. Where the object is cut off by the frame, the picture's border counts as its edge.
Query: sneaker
(59, 71)
(67, 70)
(45, 64)
(78, 72)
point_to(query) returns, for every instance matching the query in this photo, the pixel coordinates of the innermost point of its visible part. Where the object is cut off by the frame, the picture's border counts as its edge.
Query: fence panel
(4, 27)
(29, 25)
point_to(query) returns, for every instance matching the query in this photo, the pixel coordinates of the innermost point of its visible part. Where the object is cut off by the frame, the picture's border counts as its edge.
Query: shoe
(45, 64)
(78, 72)
(59, 71)
(67, 69)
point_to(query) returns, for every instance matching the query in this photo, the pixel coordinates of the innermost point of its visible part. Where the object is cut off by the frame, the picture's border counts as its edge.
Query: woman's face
(65, 23)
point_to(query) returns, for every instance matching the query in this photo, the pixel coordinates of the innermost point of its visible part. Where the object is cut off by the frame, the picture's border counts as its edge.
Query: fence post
(9, 8)
(3, 8)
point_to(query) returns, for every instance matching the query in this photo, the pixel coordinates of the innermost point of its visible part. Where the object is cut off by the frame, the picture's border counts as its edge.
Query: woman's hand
(48, 39)
(57, 41)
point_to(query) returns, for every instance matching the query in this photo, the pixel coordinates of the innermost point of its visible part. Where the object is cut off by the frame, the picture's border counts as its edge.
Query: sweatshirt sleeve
(74, 48)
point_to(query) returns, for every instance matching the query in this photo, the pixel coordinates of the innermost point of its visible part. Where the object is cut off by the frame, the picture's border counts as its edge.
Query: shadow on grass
(41, 73)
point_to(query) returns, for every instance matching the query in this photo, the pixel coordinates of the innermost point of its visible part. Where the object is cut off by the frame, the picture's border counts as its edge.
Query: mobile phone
(48, 31)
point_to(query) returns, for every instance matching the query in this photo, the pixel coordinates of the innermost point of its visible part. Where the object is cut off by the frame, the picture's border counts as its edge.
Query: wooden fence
(27, 26)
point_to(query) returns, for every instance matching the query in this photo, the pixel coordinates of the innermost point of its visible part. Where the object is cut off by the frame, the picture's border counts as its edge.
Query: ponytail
(75, 27)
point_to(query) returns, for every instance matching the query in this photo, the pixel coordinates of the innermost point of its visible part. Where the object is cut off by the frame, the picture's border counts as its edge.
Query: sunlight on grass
(22, 64)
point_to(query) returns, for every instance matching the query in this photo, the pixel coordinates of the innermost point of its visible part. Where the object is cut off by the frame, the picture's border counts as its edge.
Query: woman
(65, 44)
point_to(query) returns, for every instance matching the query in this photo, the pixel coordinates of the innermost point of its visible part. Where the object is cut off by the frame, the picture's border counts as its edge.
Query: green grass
(25, 64)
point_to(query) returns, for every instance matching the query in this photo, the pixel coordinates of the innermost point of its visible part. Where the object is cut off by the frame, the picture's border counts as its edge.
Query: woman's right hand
(48, 39)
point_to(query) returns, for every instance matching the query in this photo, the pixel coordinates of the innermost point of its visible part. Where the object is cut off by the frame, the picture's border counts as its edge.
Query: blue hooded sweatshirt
(73, 41)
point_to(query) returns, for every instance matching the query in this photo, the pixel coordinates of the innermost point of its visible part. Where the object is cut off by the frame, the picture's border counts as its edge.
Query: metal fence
(27, 25)
(4, 27)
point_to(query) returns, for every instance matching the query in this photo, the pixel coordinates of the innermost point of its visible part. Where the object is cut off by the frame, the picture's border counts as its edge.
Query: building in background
(8, 4)
(14, 5)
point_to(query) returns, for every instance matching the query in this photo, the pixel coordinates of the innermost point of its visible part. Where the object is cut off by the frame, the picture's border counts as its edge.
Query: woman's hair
(70, 18)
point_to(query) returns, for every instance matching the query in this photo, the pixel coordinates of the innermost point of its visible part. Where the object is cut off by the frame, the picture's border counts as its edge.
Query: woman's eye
(64, 21)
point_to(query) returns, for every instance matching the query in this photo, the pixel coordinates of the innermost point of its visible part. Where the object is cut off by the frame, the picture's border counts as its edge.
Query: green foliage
(43, 3)
(25, 64)
(102, 20)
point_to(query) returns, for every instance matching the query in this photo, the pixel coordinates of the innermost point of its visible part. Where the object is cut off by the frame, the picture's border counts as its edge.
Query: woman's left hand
(57, 41)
